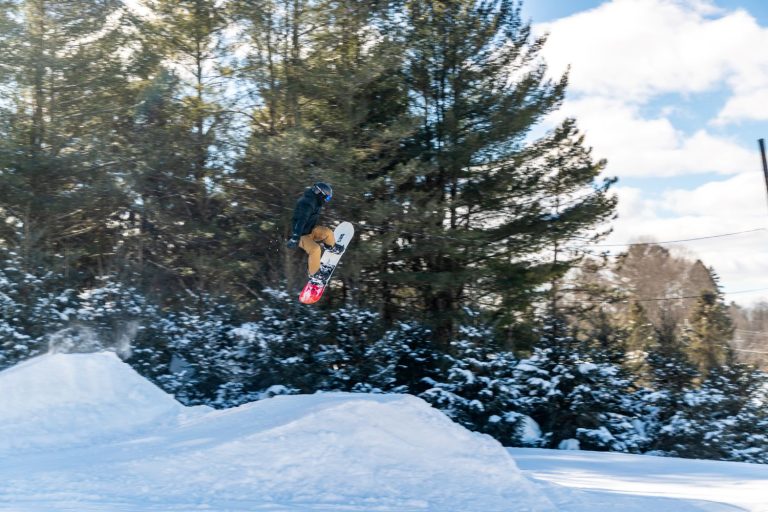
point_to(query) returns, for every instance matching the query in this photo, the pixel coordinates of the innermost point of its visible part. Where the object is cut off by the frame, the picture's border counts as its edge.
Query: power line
(678, 241)
(752, 333)
(657, 299)
(748, 351)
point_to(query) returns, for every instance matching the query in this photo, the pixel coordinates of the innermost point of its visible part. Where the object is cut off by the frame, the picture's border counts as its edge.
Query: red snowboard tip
(311, 293)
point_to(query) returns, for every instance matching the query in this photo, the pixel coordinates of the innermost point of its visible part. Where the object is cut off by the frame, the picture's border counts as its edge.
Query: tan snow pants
(311, 246)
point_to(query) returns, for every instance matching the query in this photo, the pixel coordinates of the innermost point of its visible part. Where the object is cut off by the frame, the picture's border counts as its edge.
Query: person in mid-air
(306, 233)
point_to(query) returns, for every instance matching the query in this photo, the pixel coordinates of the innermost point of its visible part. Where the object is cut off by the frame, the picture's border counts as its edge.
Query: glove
(293, 242)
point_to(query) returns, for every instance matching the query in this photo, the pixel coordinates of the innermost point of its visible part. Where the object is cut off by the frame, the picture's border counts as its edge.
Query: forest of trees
(150, 157)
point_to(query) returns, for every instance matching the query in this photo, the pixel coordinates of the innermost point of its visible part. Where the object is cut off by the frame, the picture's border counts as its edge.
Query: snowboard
(328, 261)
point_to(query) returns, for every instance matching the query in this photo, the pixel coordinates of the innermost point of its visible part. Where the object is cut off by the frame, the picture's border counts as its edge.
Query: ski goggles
(327, 197)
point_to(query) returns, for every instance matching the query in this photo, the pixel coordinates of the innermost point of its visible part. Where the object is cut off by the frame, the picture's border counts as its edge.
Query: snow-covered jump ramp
(84, 432)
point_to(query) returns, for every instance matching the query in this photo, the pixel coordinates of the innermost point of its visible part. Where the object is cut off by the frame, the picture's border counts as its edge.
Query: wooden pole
(761, 142)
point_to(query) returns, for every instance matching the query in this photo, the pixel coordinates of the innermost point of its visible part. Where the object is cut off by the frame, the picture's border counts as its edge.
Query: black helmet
(323, 189)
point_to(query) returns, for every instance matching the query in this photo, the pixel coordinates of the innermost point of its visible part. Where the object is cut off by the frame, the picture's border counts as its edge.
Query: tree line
(168, 144)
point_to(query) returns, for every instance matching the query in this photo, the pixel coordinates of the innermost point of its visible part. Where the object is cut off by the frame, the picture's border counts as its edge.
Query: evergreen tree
(178, 205)
(201, 353)
(333, 110)
(63, 105)
(360, 118)
(710, 330)
(405, 360)
(345, 357)
(301, 349)
(671, 367)
(479, 204)
(641, 342)
(576, 396)
(478, 389)
(40, 313)
(719, 419)
(17, 341)
(746, 438)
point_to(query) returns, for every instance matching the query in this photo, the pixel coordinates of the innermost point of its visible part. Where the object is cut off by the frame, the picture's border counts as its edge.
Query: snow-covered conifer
(478, 388)
(404, 360)
(722, 419)
(576, 395)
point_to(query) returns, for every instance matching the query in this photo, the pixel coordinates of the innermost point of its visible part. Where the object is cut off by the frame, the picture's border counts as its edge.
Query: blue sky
(548, 10)
(674, 94)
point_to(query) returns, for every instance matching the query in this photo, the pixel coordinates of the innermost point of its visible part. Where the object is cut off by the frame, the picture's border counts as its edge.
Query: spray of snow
(79, 338)
(75, 339)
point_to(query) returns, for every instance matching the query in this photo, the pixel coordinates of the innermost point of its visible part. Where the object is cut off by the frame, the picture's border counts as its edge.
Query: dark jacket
(306, 213)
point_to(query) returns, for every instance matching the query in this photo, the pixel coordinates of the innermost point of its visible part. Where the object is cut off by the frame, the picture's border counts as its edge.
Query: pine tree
(404, 360)
(480, 205)
(178, 207)
(17, 342)
(577, 396)
(65, 96)
(344, 358)
(717, 420)
(746, 438)
(63, 108)
(479, 389)
(360, 118)
(710, 330)
(332, 110)
(640, 343)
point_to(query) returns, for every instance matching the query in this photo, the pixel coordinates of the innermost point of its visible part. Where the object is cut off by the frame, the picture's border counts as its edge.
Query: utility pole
(761, 142)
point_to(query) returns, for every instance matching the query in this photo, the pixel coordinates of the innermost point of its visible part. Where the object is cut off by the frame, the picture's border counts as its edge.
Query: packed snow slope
(81, 431)
(745, 486)
(84, 432)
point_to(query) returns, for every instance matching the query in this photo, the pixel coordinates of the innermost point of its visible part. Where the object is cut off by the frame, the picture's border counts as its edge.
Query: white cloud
(746, 105)
(634, 49)
(637, 146)
(625, 53)
(633, 204)
(739, 198)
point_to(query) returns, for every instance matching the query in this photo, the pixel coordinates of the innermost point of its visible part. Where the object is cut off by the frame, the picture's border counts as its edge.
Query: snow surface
(84, 432)
(744, 486)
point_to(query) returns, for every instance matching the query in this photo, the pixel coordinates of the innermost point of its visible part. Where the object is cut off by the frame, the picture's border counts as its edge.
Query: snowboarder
(306, 233)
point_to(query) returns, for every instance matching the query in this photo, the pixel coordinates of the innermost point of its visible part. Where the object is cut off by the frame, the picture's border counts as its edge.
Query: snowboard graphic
(328, 261)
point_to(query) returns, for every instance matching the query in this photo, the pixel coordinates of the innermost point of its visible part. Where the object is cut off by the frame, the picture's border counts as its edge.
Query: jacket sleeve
(301, 214)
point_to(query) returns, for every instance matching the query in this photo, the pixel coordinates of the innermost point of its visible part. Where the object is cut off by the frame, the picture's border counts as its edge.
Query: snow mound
(86, 432)
(389, 452)
(58, 400)
(114, 441)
